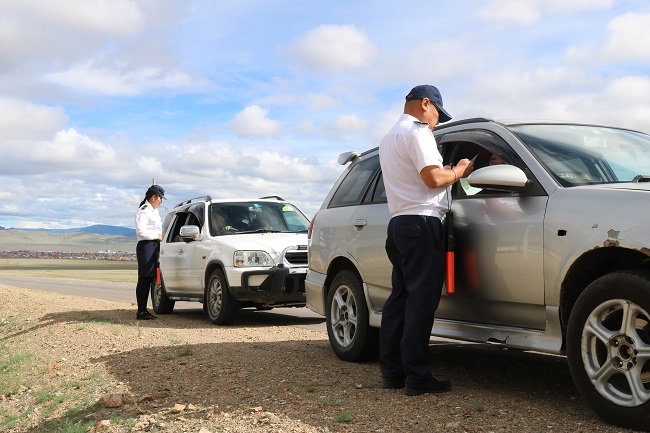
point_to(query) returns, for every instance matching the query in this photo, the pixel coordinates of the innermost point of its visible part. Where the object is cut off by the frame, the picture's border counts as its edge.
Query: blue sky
(251, 98)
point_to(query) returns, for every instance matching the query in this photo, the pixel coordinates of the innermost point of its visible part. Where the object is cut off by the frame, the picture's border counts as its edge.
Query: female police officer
(148, 229)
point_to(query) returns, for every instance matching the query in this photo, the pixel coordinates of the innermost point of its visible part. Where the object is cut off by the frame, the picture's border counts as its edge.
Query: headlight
(252, 258)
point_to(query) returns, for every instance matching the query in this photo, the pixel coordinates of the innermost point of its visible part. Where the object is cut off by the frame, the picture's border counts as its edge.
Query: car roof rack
(194, 199)
(277, 197)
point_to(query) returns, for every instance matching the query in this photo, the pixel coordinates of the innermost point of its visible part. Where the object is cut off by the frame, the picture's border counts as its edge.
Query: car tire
(346, 318)
(159, 299)
(219, 304)
(608, 348)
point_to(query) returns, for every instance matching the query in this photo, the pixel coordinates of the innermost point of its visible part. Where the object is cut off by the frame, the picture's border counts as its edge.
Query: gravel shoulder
(65, 359)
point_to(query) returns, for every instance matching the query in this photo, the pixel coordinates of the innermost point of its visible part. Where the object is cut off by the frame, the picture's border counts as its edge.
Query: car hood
(263, 241)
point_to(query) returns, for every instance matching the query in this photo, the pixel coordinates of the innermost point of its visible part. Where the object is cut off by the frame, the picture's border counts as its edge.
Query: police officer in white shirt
(416, 188)
(148, 229)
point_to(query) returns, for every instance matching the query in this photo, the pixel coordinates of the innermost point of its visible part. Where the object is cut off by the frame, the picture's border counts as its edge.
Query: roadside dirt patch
(60, 354)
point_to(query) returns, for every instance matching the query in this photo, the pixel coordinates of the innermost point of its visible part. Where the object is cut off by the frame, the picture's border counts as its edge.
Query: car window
(177, 223)
(484, 149)
(354, 186)
(583, 154)
(250, 217)
(379, 193)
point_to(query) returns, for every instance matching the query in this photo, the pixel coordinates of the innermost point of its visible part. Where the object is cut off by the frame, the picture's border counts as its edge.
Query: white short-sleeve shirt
(148, 224)
(404, 151)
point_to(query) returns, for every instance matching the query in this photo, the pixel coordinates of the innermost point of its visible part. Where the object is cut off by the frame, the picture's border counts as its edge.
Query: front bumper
(268, 287)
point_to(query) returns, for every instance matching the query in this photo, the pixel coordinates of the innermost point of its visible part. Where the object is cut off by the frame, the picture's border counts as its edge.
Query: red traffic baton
(158, 279)
(450, 280)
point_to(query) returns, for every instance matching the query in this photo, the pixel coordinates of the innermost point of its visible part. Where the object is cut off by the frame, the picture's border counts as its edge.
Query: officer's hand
(465, 166)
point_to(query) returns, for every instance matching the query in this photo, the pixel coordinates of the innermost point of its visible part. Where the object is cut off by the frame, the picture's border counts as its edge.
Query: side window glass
(355, 184)
(483, 157)
(179, 221)
(379, 195)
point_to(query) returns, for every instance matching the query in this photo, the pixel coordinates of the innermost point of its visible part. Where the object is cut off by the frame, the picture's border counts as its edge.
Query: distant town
(99, 255)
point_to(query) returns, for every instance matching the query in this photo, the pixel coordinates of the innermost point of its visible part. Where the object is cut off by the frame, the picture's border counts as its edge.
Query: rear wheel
(219, 304)
(159, 299)
(608, 348)
(346, 318)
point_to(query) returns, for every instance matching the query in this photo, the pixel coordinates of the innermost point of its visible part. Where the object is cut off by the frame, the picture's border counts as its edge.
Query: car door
(170, 251)
(498, 253)
(189, 256)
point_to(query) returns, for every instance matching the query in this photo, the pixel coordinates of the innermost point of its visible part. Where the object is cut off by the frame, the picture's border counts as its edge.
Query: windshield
(255, 217)
(578, 155)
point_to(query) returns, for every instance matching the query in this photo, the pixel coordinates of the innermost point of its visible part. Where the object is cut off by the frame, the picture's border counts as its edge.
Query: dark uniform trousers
(415, 247)
(147, 254)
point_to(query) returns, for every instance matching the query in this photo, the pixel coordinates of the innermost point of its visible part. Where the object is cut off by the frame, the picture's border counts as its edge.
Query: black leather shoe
(393, 383)
(432, 387)
(145, 315)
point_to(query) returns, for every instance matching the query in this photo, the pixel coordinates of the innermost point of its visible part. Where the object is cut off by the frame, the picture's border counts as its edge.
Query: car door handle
(360, 223)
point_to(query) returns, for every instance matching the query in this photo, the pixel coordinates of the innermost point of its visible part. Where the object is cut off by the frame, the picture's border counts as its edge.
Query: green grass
(478, 407)
(91, 270)
(345, 417)
(180, 352)
(331, 401)
(11, 371)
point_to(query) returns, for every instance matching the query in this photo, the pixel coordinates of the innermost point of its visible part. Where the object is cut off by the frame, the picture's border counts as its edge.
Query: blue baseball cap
(433, 95)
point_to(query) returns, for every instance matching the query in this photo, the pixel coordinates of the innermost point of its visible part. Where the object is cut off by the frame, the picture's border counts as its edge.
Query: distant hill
(97, 229)
(89, 239)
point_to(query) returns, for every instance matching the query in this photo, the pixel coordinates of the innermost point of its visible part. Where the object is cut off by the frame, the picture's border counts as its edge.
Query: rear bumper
(315, 291)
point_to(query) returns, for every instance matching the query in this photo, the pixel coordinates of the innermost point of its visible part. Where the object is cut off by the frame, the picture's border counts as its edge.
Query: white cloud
(253, 121)
(528, 12)
(627, 37)
(335, 49)
(119, 80)
(25, 120)
(320, 101)
(351, 123)
(110, 17)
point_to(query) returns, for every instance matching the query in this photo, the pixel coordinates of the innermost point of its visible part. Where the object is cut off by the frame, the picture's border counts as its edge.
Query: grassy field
(95, 270)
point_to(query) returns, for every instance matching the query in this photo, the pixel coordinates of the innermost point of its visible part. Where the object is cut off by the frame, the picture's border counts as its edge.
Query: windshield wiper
(260, 231)
(641, 178)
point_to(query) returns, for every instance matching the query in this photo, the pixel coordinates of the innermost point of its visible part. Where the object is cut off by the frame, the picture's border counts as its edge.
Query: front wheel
(346, 318)
(159, 299)
(219, 304)
(608, 348)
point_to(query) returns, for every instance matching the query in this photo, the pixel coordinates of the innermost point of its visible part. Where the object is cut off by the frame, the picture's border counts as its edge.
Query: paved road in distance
(123, 292)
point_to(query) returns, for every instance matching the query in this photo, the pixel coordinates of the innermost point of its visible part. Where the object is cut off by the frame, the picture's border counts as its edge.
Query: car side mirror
(502, 177)
(190, 233)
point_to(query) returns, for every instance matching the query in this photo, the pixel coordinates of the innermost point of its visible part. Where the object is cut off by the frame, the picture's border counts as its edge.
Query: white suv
(231, 254)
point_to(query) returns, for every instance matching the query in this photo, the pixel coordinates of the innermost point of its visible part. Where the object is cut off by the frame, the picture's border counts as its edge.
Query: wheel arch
(591, 266)
(213, 266)
(337, 265)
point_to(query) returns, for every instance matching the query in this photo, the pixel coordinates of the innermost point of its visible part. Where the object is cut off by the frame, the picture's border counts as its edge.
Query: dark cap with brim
(157, 190)
(433, 95)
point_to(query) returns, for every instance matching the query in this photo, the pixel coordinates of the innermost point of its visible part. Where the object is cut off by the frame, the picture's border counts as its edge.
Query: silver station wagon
(551, 253)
